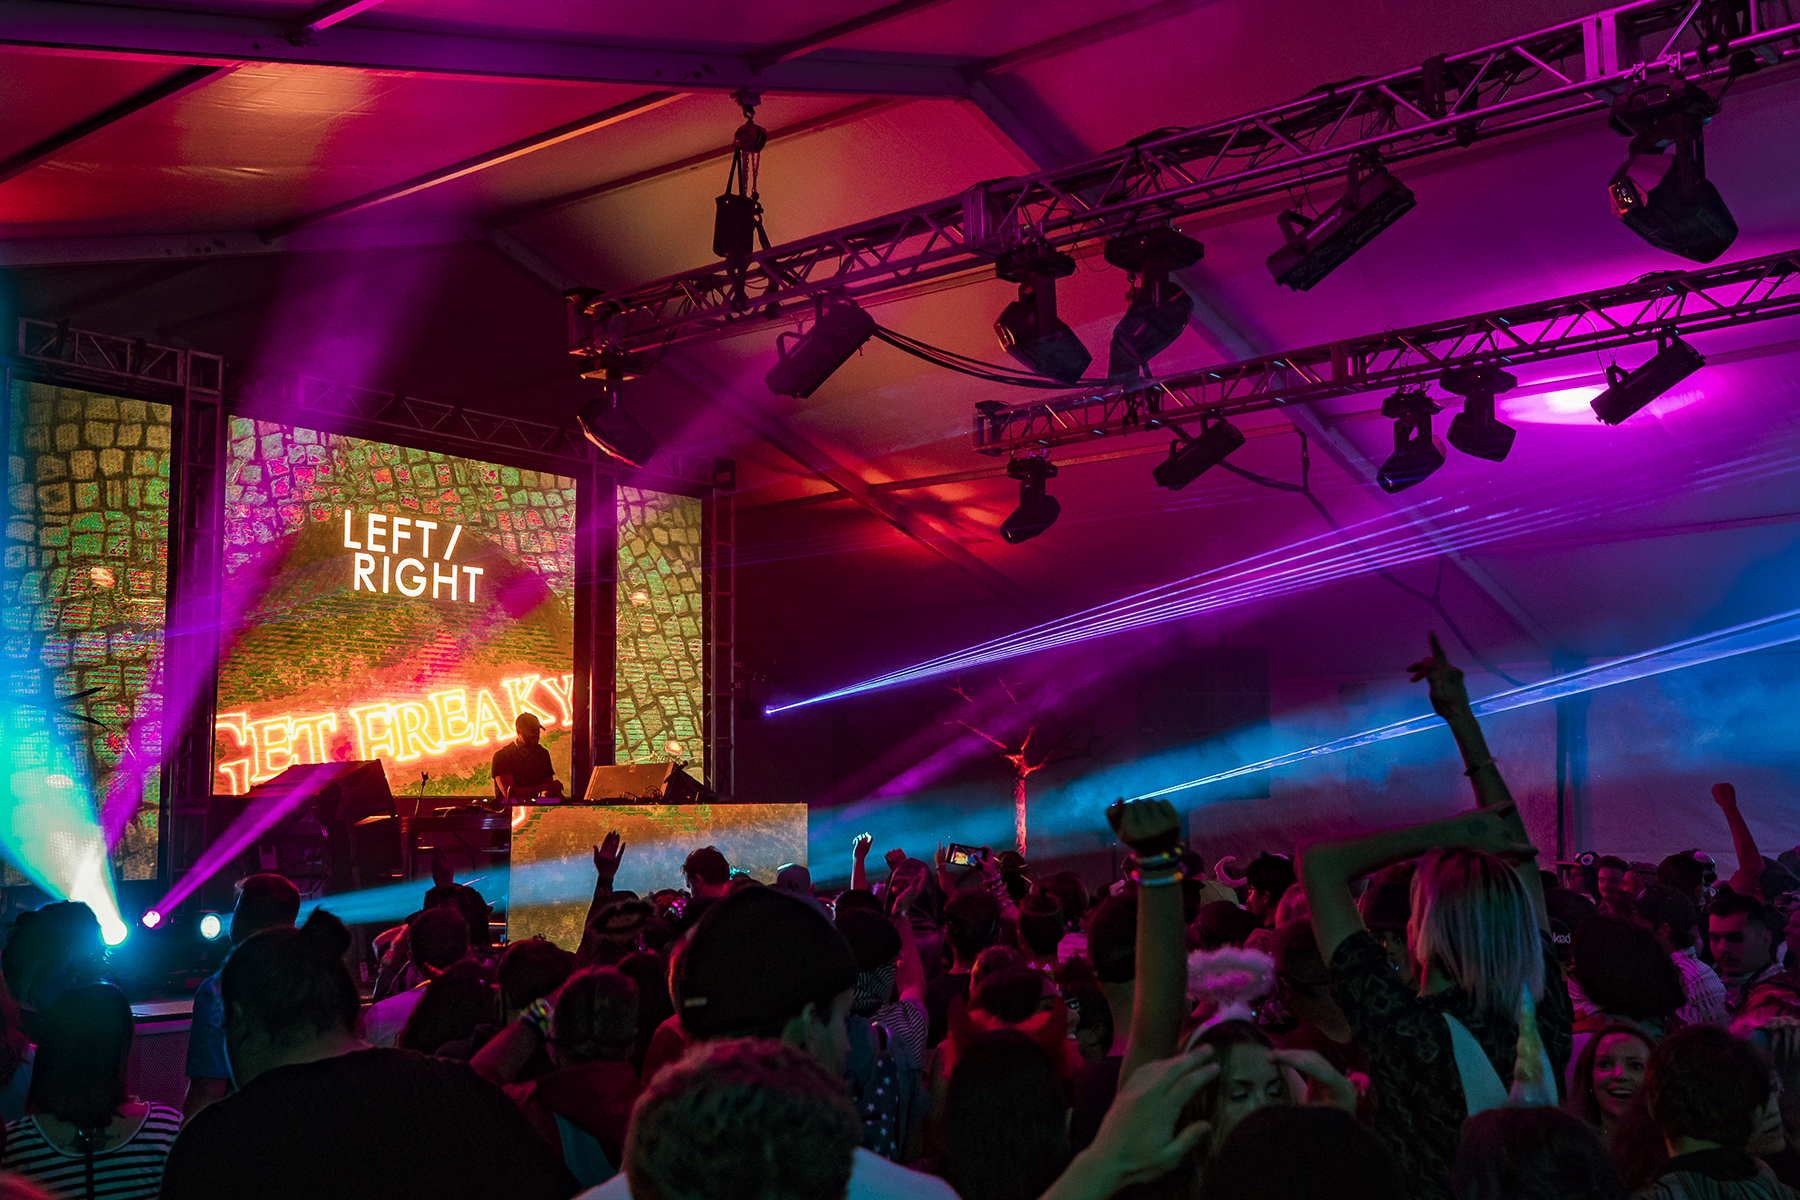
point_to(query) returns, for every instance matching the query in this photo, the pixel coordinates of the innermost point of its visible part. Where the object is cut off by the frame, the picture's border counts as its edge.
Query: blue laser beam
(1777, 630)
(1379, 543)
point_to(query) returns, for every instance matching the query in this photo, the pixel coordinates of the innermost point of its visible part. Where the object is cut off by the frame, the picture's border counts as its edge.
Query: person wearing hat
(522, 768)
(764, 964)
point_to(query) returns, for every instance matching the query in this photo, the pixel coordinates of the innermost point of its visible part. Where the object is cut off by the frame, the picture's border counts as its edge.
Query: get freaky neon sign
(408, 576)
(402, 730)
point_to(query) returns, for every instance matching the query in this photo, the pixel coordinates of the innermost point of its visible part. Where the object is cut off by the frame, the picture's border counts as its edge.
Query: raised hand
(1149, 827)
(990, 866)
(1141, 1138)
(608, 855)
(1448, 694)
(1324, 1083)
(1725, 796)
(940, 858)
(1494, 831)
(894, 858)
(860, 847)
(905, 900)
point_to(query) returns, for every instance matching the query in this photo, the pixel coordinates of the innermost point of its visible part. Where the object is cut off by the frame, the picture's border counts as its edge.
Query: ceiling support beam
(181, 81)
(116, 31)
(1152, 14)
(637, 106)
(764, 59)
(837, 116)
(328, 14)
(244, 243)
(816, 461)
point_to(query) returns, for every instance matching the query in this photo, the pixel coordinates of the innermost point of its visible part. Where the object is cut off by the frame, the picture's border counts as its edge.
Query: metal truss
(1660, 304)
(55, 353)
(453, 428)
(1554, 75)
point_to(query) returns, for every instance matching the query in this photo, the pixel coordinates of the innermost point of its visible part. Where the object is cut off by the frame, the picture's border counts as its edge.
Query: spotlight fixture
(1038, 509)
(151, 919)
(1190, 457)
(1666, 199)
(1474, 430)
(1628, 391)
(839, 330)
(1372, 200)
(612, 430)
(1416, 453)
(1158, 309)
(212, 926)
(1028, 328)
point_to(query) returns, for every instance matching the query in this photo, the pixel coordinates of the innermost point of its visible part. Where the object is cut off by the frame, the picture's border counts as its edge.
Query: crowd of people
(1425, 1012)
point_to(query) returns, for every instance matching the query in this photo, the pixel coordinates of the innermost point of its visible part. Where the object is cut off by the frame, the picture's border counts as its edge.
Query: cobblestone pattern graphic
(660, 705)
(83, 597)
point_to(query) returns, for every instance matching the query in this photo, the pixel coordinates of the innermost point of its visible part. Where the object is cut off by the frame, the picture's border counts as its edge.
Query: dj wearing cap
(522, 768)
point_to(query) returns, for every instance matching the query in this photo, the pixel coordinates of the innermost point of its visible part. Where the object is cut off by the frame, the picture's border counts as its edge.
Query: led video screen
(393, 603)
(83, 595)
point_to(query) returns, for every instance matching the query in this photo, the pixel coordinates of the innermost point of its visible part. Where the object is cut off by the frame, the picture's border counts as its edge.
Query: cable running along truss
(1760, 289)
(1556, 74)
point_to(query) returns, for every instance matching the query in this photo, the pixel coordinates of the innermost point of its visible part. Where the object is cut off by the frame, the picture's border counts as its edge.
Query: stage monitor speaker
(646, 783)
(349, 807)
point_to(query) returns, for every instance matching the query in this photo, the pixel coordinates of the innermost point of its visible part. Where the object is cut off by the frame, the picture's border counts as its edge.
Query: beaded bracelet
(539, 1015)
(1156, 862)
(1159, 881)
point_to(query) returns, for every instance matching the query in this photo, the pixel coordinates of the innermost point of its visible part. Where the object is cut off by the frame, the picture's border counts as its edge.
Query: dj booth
(359, 835)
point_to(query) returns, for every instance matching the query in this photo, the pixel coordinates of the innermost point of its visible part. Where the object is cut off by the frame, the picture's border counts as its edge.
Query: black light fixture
(612, 430)
(1474, 430)
(1038, 509)
(1190, 457)
(1665, 198)
(1158, 308)
(1028, 328)
(1628, 391)
(1416, 454)
(838, 332)
(1372, 200)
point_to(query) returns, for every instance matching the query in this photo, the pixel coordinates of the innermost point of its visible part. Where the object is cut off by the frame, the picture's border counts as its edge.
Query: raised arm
(607, 857)
(911, 975)
(996, 886)
(1750, 863)
(1327, 868)
(1450, 700)
(859, 855)
(941, 864)
(1153, 831)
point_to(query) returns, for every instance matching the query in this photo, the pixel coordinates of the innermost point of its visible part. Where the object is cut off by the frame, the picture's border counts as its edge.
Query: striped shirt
(132, 1170)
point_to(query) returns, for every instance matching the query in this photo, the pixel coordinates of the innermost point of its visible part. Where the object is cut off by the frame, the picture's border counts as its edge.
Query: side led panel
(659, 712)
(82, 595)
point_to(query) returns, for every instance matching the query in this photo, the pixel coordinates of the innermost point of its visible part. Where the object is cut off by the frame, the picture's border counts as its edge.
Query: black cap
(757, 958)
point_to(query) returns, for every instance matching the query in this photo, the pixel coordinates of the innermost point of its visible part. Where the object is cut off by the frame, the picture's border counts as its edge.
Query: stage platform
(552, 871)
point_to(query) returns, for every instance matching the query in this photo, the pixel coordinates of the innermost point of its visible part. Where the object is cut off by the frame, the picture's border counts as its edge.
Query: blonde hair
(1472, 919)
